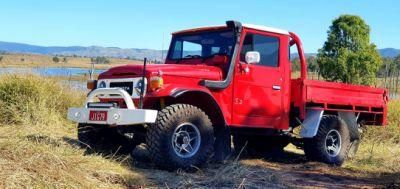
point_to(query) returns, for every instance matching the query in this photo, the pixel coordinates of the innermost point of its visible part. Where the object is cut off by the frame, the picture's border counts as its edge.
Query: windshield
(201, 45)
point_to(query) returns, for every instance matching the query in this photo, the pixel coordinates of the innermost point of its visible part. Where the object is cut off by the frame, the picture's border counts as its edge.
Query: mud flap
(351, 121)
(310, 125)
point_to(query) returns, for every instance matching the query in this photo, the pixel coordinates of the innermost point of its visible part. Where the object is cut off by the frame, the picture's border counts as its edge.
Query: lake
(55, 72)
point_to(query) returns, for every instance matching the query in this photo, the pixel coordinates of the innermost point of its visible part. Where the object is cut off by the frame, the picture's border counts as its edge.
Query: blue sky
(144, 24)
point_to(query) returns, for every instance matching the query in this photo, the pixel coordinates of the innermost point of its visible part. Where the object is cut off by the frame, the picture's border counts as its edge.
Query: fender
(176, 93)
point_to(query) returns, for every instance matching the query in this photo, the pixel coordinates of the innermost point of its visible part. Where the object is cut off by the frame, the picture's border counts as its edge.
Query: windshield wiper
(188, 57)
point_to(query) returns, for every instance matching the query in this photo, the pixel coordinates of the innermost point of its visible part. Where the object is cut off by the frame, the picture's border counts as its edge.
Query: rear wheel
(182, 137)
(332, 142)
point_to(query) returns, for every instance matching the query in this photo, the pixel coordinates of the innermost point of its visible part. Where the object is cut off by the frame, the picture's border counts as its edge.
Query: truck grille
(127, 86)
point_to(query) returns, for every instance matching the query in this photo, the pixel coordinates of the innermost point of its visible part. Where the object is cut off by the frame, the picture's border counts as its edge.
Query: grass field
(39, 149)
(32, 61)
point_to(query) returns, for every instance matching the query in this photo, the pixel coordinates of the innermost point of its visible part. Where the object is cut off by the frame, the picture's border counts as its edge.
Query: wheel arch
(203, 100)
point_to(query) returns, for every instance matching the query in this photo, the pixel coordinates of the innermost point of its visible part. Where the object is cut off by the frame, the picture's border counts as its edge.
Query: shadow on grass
(276, 170)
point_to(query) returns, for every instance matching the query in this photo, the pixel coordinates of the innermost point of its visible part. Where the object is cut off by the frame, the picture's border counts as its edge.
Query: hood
(180, 70)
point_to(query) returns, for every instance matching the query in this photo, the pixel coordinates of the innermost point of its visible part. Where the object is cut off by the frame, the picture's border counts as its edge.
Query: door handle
(276, 87)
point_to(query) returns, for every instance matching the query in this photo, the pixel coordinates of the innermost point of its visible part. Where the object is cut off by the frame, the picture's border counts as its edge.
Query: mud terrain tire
(332, 142)
(177, 127)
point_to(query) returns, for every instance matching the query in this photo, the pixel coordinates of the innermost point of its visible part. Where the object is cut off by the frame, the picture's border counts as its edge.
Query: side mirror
(252, 57)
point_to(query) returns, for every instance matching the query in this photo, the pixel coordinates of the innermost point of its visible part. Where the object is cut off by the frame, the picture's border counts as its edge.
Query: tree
(1, 58)
(347, 55)
(295, 65)
(56, 59)
(100, 60)
(312, 64)
(65, 60)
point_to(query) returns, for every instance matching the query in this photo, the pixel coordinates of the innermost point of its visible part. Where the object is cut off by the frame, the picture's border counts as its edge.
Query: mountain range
(133, 53)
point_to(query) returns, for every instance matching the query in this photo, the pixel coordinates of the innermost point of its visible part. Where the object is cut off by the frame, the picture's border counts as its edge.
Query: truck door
(258, 88)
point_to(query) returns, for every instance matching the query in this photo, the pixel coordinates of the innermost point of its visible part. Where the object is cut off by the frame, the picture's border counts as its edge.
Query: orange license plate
(98, 116)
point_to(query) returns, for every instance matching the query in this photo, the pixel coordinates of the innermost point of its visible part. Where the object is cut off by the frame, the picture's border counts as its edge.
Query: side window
(268, 47)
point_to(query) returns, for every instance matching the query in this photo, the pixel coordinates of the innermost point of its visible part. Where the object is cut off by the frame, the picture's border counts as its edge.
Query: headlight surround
(138, 86)
(102, 84)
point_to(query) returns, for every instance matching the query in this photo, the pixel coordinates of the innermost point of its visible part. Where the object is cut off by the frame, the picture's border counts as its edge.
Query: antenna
(142, 88)
(92, 69)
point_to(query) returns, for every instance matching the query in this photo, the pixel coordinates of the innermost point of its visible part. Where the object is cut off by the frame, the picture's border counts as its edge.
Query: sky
(149, 24)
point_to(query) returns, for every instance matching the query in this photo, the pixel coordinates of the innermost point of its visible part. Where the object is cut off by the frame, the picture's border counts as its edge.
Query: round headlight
(102, 84)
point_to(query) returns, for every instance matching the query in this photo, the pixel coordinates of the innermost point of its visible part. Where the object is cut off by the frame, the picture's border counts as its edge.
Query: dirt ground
(287, 170)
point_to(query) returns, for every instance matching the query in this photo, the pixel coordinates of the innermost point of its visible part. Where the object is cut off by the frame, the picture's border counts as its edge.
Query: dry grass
(379, 153)
(33, 61)
(38, 148)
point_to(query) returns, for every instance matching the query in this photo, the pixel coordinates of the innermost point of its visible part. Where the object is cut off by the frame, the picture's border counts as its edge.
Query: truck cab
(226, 81)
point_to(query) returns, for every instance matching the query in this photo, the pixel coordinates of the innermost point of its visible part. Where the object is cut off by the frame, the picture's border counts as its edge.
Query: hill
(389, 52)
(133, 53)
(91, 51)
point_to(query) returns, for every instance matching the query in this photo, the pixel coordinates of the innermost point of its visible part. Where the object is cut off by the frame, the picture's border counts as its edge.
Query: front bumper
(115, 116)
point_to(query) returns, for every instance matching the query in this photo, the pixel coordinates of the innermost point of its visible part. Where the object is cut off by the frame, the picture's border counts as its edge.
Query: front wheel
(332, 142)
(182, 137)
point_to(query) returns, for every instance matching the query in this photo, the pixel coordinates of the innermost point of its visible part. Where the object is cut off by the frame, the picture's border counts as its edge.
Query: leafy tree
(296, 65)
(396, 62)
(56, 59)
(65, 60)
(347, 55)
(1, 58)
(312, 64)
(100, 60)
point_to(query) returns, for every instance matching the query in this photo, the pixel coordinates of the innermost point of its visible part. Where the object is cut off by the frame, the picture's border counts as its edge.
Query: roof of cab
(251, 26)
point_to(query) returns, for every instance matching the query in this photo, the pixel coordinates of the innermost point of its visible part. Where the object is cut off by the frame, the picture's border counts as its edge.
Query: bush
(390, 133)
(34, 100)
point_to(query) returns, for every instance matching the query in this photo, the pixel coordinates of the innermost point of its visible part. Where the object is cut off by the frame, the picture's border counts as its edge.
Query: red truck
(222, 85)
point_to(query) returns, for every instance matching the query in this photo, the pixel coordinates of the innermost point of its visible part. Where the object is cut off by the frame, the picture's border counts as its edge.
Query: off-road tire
(159, 137)
(258, 146)
(315, 148)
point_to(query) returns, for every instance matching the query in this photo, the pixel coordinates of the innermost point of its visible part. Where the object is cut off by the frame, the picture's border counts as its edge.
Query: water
(56, 72)
(63, 72)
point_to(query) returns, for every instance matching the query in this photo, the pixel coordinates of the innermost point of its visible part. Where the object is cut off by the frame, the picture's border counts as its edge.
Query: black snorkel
(217, 85)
